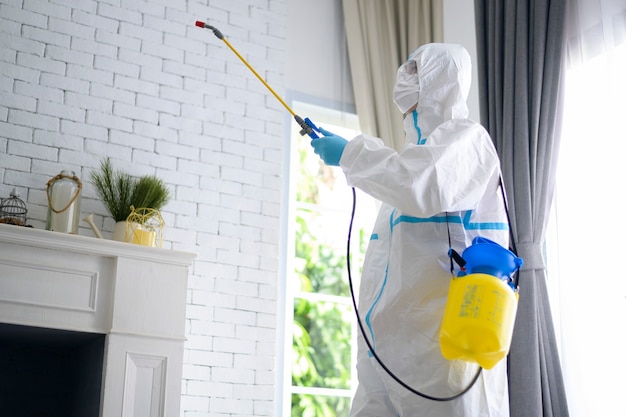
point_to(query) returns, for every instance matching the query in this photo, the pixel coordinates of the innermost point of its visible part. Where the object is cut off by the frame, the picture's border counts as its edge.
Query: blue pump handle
(308, 127)
(312, 134)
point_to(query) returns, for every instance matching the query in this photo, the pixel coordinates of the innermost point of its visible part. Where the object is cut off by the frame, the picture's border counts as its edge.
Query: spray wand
(308, 128)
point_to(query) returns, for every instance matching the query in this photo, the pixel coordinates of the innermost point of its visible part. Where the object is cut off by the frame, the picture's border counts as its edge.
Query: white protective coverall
(445, 180)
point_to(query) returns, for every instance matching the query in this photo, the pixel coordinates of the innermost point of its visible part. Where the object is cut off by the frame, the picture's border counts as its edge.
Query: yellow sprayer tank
(478, 321)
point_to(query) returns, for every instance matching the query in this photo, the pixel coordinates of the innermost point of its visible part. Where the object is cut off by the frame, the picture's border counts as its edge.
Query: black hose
(369, 345)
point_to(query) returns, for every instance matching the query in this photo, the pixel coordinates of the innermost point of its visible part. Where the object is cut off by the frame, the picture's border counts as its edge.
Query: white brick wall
(136, 81)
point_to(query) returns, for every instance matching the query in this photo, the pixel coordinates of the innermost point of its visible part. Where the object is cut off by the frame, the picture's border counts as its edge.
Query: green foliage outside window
(313, 406)
(320, 266)
(325, 326)
(322, 327)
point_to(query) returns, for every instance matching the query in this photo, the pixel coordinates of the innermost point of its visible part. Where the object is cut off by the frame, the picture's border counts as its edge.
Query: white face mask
(412, 129)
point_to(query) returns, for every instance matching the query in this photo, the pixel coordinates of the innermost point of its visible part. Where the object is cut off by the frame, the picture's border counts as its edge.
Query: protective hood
(437, 77)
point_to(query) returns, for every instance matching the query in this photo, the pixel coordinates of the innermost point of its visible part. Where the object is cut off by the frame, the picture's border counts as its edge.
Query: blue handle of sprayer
(308, 127)
(314, 128)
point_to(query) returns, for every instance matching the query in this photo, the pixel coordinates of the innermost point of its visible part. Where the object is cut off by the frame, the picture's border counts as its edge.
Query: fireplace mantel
(134, 295)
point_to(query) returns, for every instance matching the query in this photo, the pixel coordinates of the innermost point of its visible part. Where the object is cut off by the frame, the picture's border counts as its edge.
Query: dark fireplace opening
(49, 372)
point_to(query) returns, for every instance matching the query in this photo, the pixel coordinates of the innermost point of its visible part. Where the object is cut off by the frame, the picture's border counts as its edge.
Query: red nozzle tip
(199, 24)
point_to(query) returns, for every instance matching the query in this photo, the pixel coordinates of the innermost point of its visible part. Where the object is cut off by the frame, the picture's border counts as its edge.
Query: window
(586, 282)
(320, 348)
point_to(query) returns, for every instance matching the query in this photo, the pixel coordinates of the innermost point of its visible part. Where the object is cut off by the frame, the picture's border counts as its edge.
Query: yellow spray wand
(308, 128)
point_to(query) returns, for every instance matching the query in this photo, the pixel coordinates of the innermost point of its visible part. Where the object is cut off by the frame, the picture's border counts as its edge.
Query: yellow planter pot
(130, 232)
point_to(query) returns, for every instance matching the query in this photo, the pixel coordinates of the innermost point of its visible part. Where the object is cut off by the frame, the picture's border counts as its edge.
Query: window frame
(324, 116)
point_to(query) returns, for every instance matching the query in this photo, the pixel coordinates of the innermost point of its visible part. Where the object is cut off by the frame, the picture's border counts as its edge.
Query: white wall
(138, 82)
(317, 64)
(459, 27)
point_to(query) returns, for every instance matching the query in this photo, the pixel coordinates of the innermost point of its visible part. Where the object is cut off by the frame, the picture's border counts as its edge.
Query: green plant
(150, 192)
(120, 191)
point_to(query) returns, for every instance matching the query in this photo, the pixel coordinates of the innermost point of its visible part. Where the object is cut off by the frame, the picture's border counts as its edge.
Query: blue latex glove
(329, 147)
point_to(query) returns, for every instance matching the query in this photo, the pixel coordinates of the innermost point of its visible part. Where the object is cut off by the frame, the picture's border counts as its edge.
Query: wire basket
(144, 226)
(13, 210)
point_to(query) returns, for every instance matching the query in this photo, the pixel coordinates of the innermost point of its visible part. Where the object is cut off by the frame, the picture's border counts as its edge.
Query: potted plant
(123, 195)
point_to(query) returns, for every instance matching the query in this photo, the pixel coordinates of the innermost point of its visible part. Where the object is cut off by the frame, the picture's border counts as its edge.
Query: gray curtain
(381, 34)
(521, 50)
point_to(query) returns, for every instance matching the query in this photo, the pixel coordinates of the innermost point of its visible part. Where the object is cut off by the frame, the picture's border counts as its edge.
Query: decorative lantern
(13, 210)
(64, 202)
(144, 226)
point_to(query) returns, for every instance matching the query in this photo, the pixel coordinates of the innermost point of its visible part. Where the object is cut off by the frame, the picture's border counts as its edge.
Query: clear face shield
(406, 89)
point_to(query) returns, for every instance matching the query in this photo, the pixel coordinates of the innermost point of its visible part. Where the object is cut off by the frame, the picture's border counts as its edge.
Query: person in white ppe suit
(439, 192)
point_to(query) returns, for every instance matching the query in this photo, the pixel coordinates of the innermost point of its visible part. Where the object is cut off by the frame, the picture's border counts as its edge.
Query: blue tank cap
(485, 256)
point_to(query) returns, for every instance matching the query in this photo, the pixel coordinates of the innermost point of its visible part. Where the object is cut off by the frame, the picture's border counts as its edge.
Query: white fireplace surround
(134, 295)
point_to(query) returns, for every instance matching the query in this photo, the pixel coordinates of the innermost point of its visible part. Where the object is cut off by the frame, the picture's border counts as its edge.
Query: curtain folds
(380, 36)
(521, 60)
